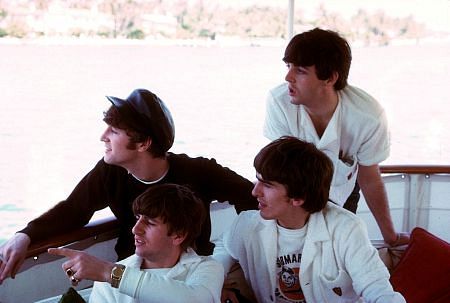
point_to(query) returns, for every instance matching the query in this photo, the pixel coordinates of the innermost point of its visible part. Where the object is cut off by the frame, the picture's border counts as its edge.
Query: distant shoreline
(221, 42)
(157, 42)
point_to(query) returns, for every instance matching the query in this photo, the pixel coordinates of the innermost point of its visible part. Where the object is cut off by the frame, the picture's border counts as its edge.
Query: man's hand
(372, 186)
(82, 266)
(400, 239)
(12, 255)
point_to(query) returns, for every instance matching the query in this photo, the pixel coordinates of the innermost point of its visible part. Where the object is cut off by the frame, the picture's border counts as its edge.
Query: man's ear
(297, 202)
(333, 79)
(178, 239)
(143, 146)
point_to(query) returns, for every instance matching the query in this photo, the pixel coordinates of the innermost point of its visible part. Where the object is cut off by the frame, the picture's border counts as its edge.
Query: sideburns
(131, 145)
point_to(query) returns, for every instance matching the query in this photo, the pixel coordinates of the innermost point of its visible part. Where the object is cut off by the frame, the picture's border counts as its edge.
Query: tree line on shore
(187, 19)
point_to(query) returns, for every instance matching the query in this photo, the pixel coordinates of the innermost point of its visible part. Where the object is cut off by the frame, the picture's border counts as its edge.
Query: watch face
(116, 275)
(117, 271)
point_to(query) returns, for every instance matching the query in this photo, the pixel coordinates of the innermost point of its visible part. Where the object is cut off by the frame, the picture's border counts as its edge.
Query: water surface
(52, 99)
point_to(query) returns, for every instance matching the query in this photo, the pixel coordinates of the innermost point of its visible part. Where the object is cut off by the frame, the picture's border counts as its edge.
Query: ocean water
(52, 97)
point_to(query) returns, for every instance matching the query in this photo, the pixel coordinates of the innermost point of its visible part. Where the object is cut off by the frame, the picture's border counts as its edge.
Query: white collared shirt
(357, 133)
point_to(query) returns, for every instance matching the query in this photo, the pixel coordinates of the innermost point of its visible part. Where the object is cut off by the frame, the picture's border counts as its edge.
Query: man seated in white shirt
(165, 267)
(299, 247)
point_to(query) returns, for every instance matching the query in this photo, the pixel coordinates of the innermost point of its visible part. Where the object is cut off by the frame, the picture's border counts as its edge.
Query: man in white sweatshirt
(299, 247)
(165, 267)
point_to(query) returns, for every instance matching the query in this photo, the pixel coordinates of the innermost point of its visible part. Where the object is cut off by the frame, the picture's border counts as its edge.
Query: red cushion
(423, 273)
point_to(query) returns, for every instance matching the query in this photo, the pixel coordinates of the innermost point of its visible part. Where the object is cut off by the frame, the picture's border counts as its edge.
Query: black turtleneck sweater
(112, 186)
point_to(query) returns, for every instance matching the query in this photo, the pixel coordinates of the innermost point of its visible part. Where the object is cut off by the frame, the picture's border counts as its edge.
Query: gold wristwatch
(116, 275)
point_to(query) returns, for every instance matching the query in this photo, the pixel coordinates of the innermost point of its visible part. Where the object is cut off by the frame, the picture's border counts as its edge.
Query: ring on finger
(70, 272)
(74, 280)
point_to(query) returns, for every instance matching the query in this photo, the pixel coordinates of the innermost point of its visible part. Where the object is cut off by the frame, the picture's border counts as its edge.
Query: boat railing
(417, 180)
(41, 275)
(419, 195)
(415, 169)
(98, 230)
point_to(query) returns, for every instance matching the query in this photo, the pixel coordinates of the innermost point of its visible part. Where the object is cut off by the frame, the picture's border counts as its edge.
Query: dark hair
(113, 117)
(305, 171)
(324, 49)
(177, 206)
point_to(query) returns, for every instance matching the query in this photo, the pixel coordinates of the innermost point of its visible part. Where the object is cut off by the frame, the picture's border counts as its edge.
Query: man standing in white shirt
(317, 105)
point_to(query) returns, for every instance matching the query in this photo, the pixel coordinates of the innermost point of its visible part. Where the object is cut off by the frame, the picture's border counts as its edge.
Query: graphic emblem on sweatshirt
(289, 284)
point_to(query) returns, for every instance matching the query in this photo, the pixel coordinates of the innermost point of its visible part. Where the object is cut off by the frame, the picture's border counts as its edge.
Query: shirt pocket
(346, 170)
(344, 179)
(338, 290)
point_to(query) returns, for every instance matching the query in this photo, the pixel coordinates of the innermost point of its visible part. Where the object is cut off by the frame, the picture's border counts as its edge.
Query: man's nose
(137, 230)
(255, 190)
(104, 136)
(288, 76)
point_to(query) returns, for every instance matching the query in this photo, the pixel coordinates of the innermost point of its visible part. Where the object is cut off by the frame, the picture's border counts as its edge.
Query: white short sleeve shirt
(357, 134)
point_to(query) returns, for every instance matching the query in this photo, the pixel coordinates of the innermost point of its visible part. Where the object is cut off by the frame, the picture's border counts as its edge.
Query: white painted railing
(418, 196)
